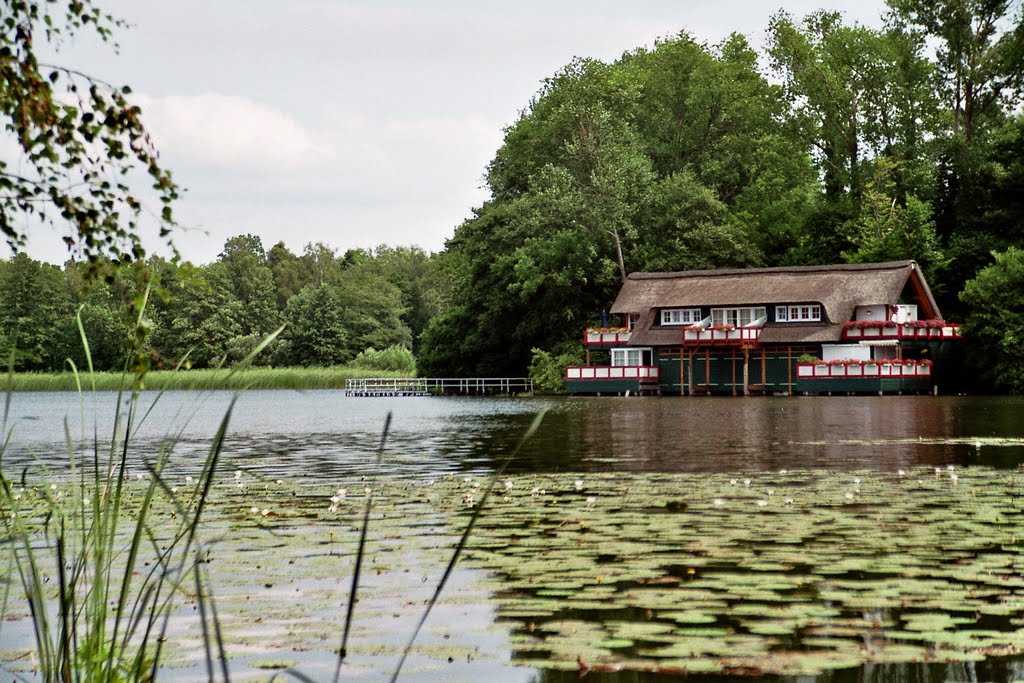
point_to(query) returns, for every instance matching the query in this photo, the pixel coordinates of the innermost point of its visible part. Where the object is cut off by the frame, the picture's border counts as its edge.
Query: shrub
(547, 370)
(394, 358)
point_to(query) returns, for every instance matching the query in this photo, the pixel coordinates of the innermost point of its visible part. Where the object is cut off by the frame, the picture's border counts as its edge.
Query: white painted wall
(873, 312)
(845, 352)
(906, 312)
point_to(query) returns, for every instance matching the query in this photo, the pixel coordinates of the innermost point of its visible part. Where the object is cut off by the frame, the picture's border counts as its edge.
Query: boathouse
(848, 328)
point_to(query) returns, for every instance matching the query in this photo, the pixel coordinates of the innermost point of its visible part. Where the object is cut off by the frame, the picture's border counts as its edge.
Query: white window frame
(680, 316)
(799, 313)
(741, 316)
(622, 356)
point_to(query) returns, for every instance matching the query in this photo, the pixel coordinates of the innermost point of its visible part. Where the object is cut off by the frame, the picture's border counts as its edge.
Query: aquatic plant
(99, 573)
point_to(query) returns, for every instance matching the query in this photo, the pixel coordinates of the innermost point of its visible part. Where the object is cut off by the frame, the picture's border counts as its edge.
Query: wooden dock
(438, 386)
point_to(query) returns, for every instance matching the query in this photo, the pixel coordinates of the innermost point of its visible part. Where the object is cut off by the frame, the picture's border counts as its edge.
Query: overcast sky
(360, 123)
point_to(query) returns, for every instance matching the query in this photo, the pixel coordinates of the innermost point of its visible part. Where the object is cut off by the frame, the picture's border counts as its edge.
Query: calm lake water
(324, 436)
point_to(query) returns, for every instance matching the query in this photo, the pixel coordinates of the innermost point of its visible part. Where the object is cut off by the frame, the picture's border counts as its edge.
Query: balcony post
(746, 371)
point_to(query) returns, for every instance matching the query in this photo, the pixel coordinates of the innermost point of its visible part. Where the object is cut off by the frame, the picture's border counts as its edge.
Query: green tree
(205, 316)
(316, 330)
(289, 271)
(252, 283)
(979, 47)
(371, 310)
(76, 140)
(418, 277)
(995, 323)
(886, 230)
(674, 157)
(36, 314)
(854, 93)
(980, 55)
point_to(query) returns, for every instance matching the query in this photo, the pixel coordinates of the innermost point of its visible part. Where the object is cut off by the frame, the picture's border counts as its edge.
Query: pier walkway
(438, 386)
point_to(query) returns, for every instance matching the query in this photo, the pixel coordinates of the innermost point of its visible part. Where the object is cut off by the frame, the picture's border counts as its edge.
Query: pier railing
(426, 386)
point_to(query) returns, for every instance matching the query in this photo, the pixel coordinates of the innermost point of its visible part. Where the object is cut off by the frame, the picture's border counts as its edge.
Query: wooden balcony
(615, 379)
(865, 369)
(605, 337)
(611, 373)
(924, 330)
(726, 337)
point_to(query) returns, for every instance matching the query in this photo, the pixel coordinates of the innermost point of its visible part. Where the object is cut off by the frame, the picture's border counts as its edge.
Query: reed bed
(221, 378)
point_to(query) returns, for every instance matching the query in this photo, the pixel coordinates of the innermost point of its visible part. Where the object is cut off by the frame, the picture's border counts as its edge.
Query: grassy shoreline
(224, 378)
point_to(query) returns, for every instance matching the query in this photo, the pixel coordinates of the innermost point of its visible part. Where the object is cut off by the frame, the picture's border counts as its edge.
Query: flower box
(820, 370)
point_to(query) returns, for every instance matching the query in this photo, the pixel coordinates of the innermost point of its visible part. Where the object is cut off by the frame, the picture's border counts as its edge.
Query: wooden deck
(438, 386)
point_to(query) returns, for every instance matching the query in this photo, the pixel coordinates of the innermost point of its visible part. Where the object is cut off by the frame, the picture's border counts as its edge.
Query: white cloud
(229, 131)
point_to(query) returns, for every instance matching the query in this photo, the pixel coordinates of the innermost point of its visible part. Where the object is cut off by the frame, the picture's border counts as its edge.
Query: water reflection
(325, 434)
(994, 669)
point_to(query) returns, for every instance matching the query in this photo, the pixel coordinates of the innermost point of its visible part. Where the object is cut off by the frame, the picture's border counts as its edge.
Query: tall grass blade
(360, 553)
(203, 598)
(477, 511)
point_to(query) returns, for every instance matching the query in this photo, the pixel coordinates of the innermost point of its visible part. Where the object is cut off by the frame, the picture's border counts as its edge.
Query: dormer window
(737, 317)
(804, 313)
(680, 316)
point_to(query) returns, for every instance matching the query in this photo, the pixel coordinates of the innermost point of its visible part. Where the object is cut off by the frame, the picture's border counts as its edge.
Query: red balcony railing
(595, 372)
(606, 336)
(847, 369)
(720, 335)
(915, 329)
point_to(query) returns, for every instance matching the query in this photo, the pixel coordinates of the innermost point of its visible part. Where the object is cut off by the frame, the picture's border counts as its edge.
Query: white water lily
(954, 478)
(783, 471)
(341, 493)
(849, 495)
(732, 481)
(590, 501)
(902, 473)
(788, 501)
(578, 484)
(718, 502)
(238, 474)
(535, 491)
(746, 482)
(770, 492)
(762, 503)
(188, 479)
(856, 480)
(509, 485)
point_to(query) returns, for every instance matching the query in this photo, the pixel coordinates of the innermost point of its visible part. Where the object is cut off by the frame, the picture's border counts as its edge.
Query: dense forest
(836, 143)
(366, 305)
(839, 143)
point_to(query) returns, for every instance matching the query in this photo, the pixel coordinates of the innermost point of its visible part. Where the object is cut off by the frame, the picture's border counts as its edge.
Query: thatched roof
(838, 288)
